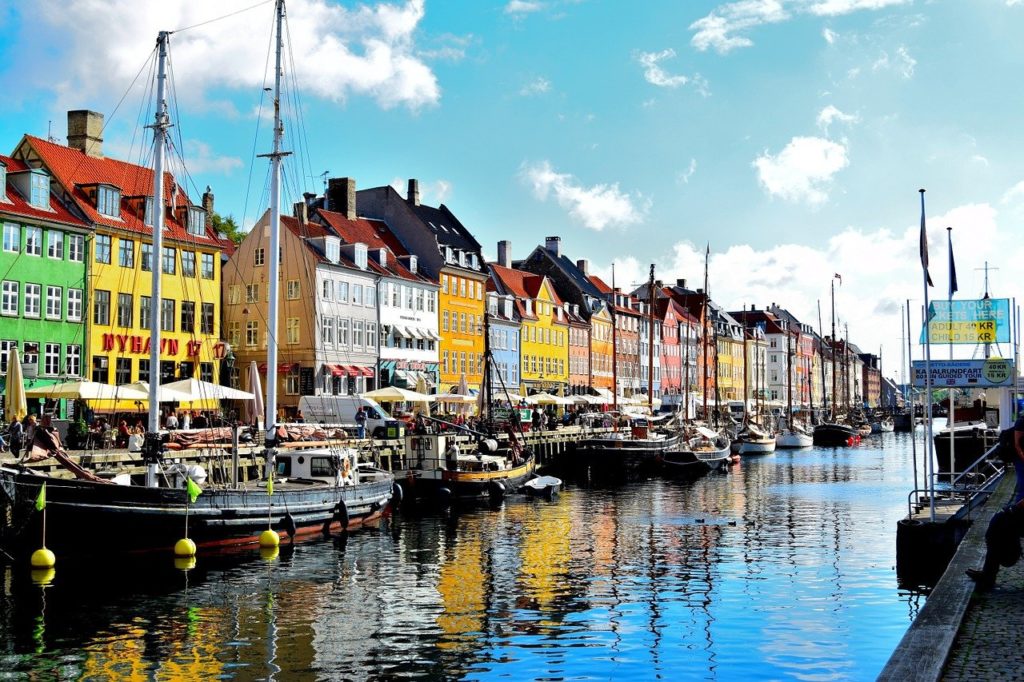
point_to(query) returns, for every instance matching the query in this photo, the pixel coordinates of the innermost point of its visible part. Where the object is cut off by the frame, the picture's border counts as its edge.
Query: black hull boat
(440, 473)
(971, 442)
(835, 435)
(903, 422)
(618, 454)
(87, 517)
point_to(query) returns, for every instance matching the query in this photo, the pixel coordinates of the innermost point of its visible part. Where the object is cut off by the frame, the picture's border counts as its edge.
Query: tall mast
(746, 367)
(704, 330)
(487, 381)
(789, 378)
(275, 233)
(834, 348)
(160, 126)
(615, 348)
(686, 369)
(650, 343)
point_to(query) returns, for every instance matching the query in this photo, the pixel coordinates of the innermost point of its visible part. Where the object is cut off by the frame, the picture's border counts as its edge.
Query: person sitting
(122, 434)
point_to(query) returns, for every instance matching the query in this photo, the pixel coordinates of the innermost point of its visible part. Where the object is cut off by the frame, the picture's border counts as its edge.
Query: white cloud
(433, 192)
(683, 177)
(538, 86)
(200, 158)
(829, 35)
(880, 268)
(831, 114)
(722, 29)
(654, 74)
(595, 207)
(367, 51)
(901, 62)
(1014, 193)
(522, 7)
(802, 171)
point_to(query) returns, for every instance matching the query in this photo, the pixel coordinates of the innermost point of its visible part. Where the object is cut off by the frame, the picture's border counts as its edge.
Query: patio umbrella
(464, 390)
(86, 390)
(254, 408)
(421, 407)
(204, 390)
(163, 394)
(454, 398)
(15, 403)
(393, 394)
(544, 399)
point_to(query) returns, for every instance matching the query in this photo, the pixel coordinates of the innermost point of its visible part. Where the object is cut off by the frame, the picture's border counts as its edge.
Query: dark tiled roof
(446, 227)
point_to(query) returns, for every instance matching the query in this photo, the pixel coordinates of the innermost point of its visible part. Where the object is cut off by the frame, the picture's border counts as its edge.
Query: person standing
(172, 421)
(360, 423)
(16, 437)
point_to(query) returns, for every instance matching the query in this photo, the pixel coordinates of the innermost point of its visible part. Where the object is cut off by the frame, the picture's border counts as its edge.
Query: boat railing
(975, 480)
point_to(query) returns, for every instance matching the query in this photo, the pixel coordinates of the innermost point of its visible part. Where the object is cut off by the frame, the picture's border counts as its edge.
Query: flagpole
(910, 395)
(930, 445)
(952, 390)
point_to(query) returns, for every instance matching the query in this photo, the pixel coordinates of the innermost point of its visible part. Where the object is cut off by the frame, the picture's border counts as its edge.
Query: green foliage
(228, 226)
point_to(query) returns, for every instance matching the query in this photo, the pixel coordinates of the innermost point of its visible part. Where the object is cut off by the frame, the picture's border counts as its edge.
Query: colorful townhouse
(504, 322)
(626, 328)
(578, 350)
(447, 254)
(803, 352)
(407, 300)
(544, 331)
(115, 199)
(327, 335)
(670, 316)
(700, 306)
(42, 299)
(602, 353)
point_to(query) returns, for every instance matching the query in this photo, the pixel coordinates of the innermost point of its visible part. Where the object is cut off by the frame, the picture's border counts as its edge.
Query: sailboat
(755, 438)
(833, 432)
(308, 491)
(791, 435)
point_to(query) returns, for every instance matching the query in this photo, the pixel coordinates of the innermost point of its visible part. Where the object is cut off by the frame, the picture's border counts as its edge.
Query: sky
(790, 137)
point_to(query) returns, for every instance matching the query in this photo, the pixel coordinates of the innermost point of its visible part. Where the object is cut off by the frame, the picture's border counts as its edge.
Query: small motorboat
(543, 486)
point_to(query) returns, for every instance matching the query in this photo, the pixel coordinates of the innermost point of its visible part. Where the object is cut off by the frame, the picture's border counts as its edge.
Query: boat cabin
(335, 467)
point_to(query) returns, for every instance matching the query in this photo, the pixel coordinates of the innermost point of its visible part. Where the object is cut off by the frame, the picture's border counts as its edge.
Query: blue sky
(791, 135)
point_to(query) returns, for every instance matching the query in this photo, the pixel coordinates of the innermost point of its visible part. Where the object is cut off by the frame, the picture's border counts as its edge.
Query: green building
(42, 281)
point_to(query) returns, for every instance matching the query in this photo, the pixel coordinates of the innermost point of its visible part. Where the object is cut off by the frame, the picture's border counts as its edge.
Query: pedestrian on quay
(16, 437)
(360, 423)
(535, 419)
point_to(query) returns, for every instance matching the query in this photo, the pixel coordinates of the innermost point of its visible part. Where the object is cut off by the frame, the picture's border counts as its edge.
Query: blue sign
(976, 321)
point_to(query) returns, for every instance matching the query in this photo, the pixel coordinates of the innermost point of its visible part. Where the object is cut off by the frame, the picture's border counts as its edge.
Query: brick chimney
(208, 206)
(84, 132)
(681, 283)
(584, 266)
(413, 196)
(505, 253)
(301, 212)
(554, 245)
(341, 196)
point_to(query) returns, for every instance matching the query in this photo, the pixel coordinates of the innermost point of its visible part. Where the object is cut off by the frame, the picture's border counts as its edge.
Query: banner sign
(966, 373)
(983, 320)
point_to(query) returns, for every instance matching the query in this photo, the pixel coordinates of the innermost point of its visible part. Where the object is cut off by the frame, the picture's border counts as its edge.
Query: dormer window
(472, 261)
(332, 250)
(147, 216)
(492, 304)
(108, 200)
(448, 257)
(462, 258)
(196, 221)
(412, 264)
(508, 308)
(39, 192)
(382, 257)
(529, 306)
(360, 256)
(3, 182)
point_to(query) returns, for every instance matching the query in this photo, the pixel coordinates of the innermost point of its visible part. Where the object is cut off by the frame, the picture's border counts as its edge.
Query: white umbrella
(421, 407)
(204, 390)
(543, 399)
(86, 390)
(464, 390)
(15, 403)
(393, 394)
(456, 398)
(163, 394)
(254, 408)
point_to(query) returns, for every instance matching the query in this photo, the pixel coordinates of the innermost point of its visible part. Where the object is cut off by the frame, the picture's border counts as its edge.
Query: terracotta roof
(75, 170)
(18, 205)
(376, 235)
(599, 283)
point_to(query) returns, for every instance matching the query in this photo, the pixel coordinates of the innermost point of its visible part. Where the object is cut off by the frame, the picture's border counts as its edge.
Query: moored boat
(835, 434)
(755, 441)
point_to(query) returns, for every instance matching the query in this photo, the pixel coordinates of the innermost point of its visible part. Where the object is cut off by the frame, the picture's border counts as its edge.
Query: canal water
(782, 568)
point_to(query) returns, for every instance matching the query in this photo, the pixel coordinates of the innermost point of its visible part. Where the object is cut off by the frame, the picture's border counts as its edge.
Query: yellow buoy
(184, 548)
(269, 553)
(43, 558)
(43, 576)
(269, 538)
(184, 563)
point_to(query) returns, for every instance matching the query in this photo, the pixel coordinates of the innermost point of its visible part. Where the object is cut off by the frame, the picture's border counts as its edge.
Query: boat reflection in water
(776, 569)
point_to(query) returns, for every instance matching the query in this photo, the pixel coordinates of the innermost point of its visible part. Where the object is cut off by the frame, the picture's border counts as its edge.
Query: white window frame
(33, 300)
(54, 302)
(12, 237)
(51, 359)
(75, 301)
(33, 240)
(55, 244)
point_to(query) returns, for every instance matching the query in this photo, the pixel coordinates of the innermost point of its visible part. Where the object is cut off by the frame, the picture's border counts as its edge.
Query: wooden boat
(755, 441)
(835, 434)
(440, 470)
(705, 450)
(635, 448)
(883, 425)
(793, 437)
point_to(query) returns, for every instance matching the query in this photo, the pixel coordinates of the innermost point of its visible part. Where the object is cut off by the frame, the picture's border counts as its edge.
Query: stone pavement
(960, 634)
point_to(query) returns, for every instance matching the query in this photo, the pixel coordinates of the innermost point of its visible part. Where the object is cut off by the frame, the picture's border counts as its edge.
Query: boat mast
(789, 378)
(746, 367)
(160, 126)
(834, 349)
(650, 343)
(704, 330)
(275, 234)
(486, 381)
(686, 369)
(615, 349)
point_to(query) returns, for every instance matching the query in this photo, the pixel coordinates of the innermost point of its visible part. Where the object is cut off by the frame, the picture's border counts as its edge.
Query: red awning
(282, 367)
(336, 370)
(366, 371)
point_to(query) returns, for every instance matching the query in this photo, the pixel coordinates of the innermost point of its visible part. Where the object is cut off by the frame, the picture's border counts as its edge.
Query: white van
(341, 409)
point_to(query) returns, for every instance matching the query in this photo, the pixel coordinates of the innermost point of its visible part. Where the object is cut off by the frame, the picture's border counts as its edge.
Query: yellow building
(601, 351)
(116, 198)
(461, 315)
(544, 332)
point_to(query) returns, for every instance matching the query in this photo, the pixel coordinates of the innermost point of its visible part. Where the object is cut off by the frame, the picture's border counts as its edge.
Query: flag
(193, 490)
(924, 244)
(839, 277)
(270, 485)
(952, 267)
(41, 498)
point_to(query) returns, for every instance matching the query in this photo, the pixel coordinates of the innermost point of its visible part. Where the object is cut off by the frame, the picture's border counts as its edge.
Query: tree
(228, 226)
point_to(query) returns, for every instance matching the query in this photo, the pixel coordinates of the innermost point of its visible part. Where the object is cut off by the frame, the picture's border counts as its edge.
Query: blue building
(504, 343)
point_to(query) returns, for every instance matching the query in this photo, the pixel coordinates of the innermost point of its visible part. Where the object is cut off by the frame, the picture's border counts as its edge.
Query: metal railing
(977, 479)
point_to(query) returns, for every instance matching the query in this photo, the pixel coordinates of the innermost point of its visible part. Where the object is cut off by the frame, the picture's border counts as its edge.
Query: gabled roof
(19, 205)
(75, 170)
(446, 227)
(570, 270)
(606, 292)
(376, 235)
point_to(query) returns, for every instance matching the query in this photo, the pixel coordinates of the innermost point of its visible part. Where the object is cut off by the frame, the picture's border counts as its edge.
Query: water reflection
(784, 567)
